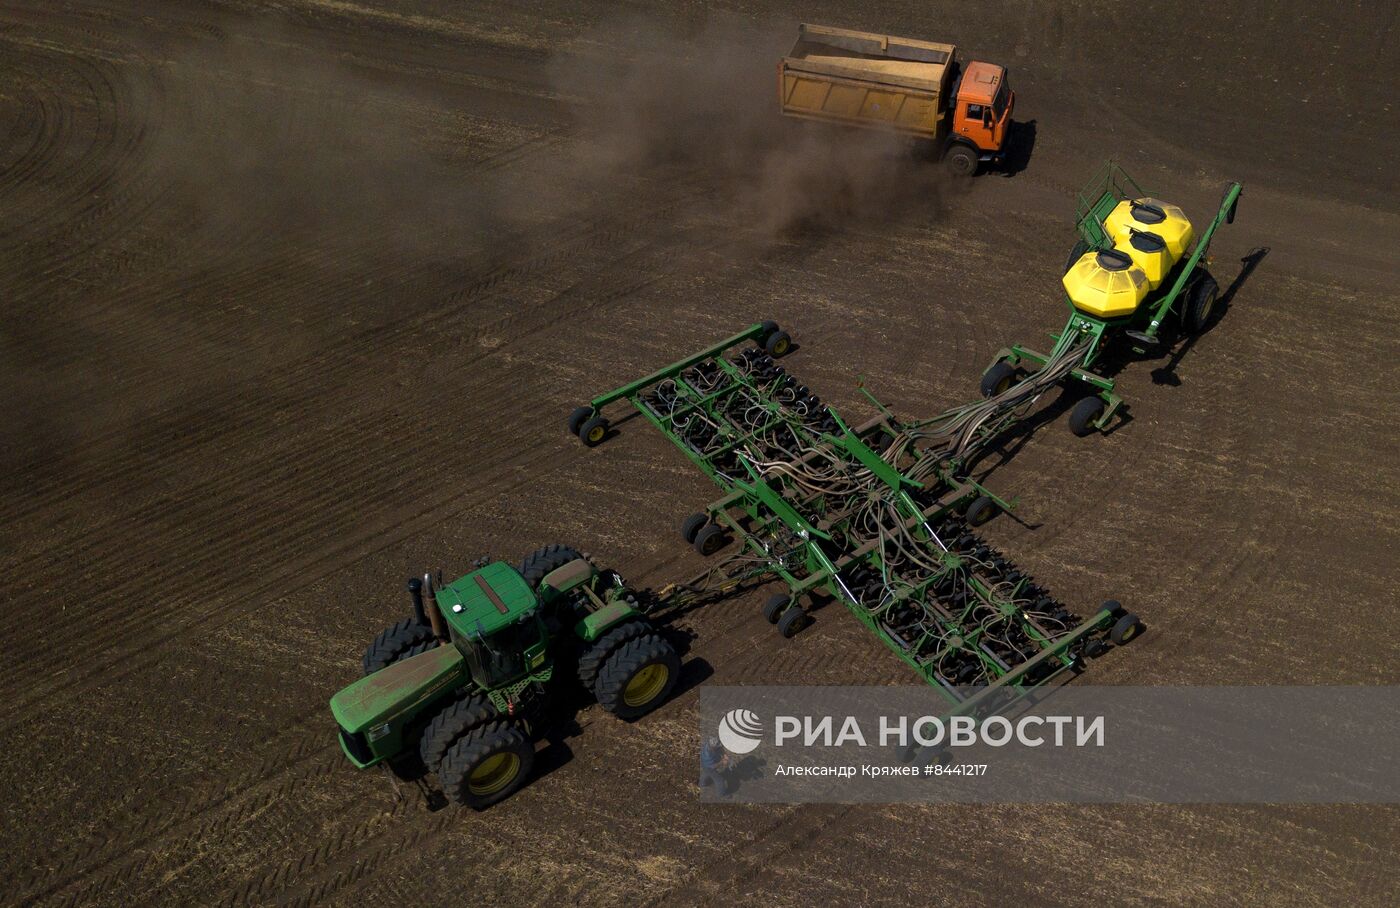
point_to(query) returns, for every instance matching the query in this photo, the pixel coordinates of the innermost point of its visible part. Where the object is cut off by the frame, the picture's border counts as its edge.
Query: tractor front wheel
(488, 765)
(540, 562)
(454, 722)
(638, 676)
(404, 640)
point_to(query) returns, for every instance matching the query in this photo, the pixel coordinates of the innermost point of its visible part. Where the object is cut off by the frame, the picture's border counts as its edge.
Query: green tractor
(463, 688)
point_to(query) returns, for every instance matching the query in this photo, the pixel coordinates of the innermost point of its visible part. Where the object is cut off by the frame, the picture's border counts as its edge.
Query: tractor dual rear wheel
(590, 662)
(637, 676)
(536, 565)
(487, 765)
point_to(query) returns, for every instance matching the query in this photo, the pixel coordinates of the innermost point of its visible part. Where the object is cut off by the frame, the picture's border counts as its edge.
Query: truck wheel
(450, 725)
(1084, 415)
(792, 621)
(981, 510)
(638, 676)
(406, 639)
(998, 378)
(1199, 304)
(774, 607)
(488, 765)
(691, 525)
(1076, 254)
(961, 161)
(1126, 628)
(577, 419)
(710, 539)
(593, 431)
(540, 562)
(590, 662)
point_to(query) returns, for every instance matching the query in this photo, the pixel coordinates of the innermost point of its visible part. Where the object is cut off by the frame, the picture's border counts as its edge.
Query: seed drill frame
(878, 516)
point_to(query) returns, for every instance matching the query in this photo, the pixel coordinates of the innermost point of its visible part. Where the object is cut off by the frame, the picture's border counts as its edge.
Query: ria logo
(740, 731)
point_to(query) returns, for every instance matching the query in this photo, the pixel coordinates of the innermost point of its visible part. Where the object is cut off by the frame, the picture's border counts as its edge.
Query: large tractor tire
(450, 725)
(487, 765)
(406, 639)
(638, 676)
(590, 662)
(540, 562)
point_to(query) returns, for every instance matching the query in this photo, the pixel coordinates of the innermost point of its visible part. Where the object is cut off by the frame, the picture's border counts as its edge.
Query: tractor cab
(496, 622)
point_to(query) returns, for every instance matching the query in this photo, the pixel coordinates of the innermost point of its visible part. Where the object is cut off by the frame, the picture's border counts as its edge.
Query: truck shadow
(1020, 143)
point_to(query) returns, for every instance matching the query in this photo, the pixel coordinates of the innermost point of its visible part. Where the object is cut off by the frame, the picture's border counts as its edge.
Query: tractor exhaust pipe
(434, 613)
(415, 591)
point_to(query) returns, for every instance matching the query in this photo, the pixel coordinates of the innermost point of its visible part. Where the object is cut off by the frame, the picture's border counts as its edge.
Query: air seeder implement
(1138, 268)
(880, 516)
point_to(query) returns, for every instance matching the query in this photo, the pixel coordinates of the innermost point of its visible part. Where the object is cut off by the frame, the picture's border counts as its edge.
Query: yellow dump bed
(864, 79)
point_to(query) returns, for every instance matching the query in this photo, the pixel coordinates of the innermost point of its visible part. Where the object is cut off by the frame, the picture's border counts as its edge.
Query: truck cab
(982, 104)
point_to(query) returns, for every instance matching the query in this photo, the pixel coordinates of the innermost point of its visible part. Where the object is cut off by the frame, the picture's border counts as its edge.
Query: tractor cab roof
(486, 601)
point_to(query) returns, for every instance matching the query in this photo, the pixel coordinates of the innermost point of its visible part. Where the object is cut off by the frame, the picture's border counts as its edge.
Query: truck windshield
(999, 103)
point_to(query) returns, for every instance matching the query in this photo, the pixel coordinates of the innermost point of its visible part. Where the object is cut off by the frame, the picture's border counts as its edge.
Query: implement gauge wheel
(710, 539)
(792, 621)
(488, 765)
(593, 431)
(691, 526)
(982, 510)
(1126, 628)
(778, 344)
(774, 607)
(577, 419)
(1084, 415)
(1199, 304)
(998, 379)
(638, 676)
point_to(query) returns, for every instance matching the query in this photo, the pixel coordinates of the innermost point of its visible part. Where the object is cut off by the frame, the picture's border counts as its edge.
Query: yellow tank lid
(1149, 252)
(1106, 283)
(1162, 218)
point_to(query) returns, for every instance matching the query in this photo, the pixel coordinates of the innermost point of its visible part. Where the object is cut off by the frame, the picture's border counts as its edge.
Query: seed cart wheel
(1126, 628)
(577, 418)
(961, 161)
(534, 566)
(1095, 648)
(488, 765)
(1084, 415)
(982, 510)
(778, 344)
(404, 640)
(710, 539)
(1076, 254)
(1199, 304)
(998, 379)
(691, 525)
(792, 621)
(774, 607)
(766, 329)
(593, 431)
(638, 676)
(452, 723)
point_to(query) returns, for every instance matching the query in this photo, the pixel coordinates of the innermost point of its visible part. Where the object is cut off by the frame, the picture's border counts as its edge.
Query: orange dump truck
(902, 84)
